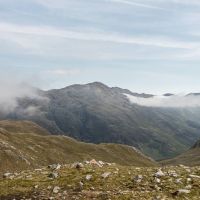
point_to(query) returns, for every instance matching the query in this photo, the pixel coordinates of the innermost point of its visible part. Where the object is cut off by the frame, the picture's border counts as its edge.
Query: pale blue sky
(144, 45)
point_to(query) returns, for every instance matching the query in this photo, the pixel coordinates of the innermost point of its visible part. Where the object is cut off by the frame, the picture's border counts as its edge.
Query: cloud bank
(11, 92)
(175, 101)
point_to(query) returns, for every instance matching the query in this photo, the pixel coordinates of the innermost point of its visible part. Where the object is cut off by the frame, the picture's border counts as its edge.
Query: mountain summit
(97, 113)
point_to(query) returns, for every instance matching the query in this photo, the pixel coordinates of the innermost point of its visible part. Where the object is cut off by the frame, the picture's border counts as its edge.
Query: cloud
(99, 36)
(136, 4)
(63, 72)
(10, 93)
(175, 101)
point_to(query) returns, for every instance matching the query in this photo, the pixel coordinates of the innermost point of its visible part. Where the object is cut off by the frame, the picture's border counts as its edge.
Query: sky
(150, 46)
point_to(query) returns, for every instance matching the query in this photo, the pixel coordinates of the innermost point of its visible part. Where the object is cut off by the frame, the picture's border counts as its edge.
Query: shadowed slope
(189, 158)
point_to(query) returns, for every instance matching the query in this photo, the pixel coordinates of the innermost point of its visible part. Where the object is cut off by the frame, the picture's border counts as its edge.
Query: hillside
(108, 181)
(189, 158)
(22, 127)
(30, 147)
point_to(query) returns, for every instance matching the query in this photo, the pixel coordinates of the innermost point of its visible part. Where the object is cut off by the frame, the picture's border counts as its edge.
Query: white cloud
(47, 31)
(175, 101)
(11, 91)
(63, 72)
(132, 3)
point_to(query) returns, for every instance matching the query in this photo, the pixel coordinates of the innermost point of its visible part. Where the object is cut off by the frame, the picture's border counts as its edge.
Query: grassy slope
(22, 127)
(120, 185)
(25, 145)
(189, 158)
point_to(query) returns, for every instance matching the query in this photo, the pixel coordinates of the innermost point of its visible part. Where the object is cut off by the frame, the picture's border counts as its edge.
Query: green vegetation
(189, 158)
(24, 145)
(121, 184)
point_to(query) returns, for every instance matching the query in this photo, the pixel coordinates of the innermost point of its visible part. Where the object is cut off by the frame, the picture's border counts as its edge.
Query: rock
(56, 189)
(159, 173)
(138, 178)
(54, 167)
(106, 174)
(81, 184)
(101, 163)
(181, 191)
(7, 175)
(179, 180)
(53, 175)
(189, 179)
(94, 162)
(172, 174)
(49, 187)
(92, 188)
(188, 187)
(86, 162)
(78, 165)
(157, 188)
(109, 164)
(183, 166)
(194, 176)
(88, 177)
(157, 180)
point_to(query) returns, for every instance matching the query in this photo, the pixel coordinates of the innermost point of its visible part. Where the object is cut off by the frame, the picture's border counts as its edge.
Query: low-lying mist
(12, 91)
(173, 101)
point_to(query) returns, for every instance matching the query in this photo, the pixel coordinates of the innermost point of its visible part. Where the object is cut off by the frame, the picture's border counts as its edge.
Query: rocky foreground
(103, 181)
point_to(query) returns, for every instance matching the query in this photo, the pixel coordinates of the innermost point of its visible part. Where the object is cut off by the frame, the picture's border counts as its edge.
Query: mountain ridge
(97, 113)
(191, 157)
(30, 148)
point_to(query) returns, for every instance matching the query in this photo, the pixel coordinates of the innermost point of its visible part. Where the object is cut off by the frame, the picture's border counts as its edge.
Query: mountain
(97, 113)
(25, 145)
(189, 158)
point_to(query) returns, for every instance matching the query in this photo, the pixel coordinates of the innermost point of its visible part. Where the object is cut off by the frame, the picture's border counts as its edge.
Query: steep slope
(189, 158)
(31, 148)
(97, 113)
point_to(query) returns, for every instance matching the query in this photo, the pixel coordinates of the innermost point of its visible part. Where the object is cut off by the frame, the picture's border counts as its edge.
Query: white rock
(138, 178)
(106, 174)
(36, 186)
(159, 173)
(81, 184)
(55, 166)
(7, 175)
(189, 179)
(188, 187)
(183, 191)
(77, 165)
(88, 177)
(94, 162)
(56, 189)
(157, 180)
(101, 163)
(179, 180)
(194, 176)
(53, 175)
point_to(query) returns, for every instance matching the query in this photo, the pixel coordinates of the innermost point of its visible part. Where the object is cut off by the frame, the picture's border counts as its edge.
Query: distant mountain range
(97, 113)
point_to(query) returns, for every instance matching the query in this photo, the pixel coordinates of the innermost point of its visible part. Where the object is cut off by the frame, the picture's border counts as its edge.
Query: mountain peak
(97, 84)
